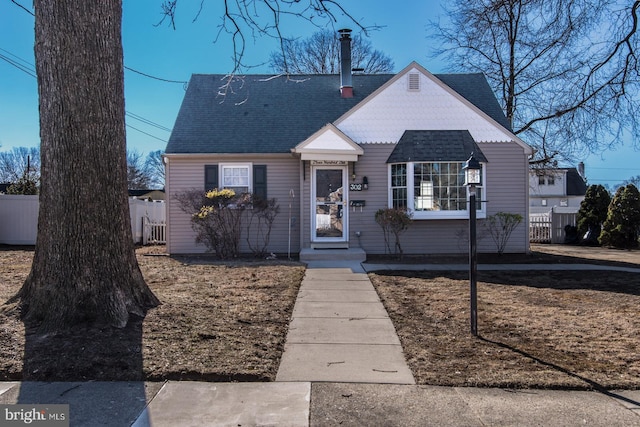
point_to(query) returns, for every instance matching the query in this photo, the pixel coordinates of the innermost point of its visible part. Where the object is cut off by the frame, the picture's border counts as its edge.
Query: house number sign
(328, 163)
(355, 187)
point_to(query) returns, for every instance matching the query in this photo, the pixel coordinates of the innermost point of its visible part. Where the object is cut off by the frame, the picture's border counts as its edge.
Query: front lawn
(560, 329)
(217, 322)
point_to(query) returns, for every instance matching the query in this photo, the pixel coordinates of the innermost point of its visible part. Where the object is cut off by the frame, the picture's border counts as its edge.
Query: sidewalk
(342, 366)
(323, 404)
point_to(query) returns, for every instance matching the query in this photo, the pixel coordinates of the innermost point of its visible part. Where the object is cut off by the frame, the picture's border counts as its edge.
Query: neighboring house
(334, 149)
(560, 189)
(147, 194)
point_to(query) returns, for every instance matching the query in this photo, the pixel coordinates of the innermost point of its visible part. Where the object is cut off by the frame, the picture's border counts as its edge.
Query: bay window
(432, 190)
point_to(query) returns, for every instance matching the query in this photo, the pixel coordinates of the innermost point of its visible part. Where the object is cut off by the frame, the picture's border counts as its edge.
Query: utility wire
(19, 66)
(148, 134)
(29, 69)
(154, 77)
(147, 121)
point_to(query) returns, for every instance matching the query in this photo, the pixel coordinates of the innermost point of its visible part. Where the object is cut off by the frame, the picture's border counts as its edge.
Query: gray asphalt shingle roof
(266, 114)
(575, 183)
(435, 146)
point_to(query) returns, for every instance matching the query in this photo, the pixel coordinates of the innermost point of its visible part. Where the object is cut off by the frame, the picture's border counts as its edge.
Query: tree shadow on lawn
(85, 353)
(593, 384)
(593, 280)
(581, 255)
(97, 371)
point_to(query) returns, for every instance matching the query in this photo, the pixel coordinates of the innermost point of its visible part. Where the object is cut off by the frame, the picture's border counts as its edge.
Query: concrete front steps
(346, 254)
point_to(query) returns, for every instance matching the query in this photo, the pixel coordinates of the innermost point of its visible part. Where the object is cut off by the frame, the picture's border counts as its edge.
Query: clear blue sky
(176, 54)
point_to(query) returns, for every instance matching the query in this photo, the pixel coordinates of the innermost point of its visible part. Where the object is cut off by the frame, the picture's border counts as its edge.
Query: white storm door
(329, 204)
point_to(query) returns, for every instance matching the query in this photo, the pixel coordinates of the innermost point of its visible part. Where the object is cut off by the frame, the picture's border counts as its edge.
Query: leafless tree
(320, 54)
(155, 168)
(565, 71)
(138, 177)
(18, 163)
(84, 268)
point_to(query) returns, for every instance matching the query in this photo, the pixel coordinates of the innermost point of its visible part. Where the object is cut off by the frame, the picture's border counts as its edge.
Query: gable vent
(414, 81)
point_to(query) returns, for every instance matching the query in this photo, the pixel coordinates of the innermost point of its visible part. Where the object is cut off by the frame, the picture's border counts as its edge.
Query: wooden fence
(549, 227)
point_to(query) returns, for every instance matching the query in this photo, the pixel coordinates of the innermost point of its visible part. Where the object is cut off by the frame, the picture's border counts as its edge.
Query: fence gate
(540, 228)
(549, 227)
(153, 232)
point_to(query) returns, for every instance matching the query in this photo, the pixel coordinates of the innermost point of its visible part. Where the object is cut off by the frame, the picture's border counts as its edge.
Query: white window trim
(222, 166)
(427, 215)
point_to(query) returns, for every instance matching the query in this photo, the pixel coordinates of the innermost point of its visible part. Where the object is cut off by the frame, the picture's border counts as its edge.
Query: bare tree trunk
(84, 268)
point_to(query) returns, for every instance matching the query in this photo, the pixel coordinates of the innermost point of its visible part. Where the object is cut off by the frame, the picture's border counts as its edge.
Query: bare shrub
(393, 222)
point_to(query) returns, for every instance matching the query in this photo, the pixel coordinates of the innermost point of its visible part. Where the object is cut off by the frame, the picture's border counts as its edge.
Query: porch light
(472, 171)
(472, 178)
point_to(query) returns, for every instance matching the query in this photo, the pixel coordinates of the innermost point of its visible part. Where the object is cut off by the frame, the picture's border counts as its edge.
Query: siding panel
(188, 173)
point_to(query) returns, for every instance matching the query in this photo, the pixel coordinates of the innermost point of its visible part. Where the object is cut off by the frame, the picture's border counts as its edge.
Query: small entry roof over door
(329, 143)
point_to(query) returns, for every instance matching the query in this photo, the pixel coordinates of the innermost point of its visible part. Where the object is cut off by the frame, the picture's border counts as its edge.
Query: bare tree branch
(22, 7)
(320, 54)
(566, 71)
(242, 20)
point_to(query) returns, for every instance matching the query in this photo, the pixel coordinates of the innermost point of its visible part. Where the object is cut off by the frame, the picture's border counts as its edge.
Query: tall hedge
(620, 229)
(593, 211)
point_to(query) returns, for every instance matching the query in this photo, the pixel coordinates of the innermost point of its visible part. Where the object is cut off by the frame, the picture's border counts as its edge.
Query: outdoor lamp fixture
(365, 183)
(472, 178)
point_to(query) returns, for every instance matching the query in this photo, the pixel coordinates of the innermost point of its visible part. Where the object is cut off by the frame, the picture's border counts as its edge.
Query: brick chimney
(346, 85)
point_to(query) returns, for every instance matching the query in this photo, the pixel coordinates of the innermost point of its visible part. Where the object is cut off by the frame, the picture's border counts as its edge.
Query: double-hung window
(239, 177)
(236, 177)
(432, 190)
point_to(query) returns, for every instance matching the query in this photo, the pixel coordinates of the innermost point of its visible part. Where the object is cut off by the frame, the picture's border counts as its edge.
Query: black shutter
(260, 181)
(210, 177)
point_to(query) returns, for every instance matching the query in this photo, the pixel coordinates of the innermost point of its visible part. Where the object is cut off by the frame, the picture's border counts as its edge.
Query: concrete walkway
(340, 331)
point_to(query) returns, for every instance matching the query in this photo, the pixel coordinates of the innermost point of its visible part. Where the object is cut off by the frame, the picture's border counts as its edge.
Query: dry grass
(228, 322)
(562, 329)
(216, 322)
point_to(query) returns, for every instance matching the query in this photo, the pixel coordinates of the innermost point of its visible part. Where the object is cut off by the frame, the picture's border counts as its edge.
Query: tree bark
(84, 268)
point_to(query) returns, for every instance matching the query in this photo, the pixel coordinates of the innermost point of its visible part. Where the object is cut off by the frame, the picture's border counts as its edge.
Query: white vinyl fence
(549, 227)
(19, 220)
(148, 221)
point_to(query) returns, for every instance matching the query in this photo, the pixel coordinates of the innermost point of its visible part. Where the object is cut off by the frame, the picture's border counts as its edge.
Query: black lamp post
(472, 178)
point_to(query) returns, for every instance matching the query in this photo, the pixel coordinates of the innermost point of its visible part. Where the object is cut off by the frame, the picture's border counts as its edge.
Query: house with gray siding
(334, 149)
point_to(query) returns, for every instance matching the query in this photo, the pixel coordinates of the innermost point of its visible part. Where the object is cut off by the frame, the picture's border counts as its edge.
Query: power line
(28, 68)
(19, 66)
(148, 134)
(616, 169)
(147, 121)
(154, 77)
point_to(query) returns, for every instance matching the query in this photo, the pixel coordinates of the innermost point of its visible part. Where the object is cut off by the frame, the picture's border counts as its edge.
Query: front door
(329, 205)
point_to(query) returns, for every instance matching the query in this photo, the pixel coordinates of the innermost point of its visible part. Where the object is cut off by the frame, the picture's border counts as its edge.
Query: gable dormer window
(413, 83)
